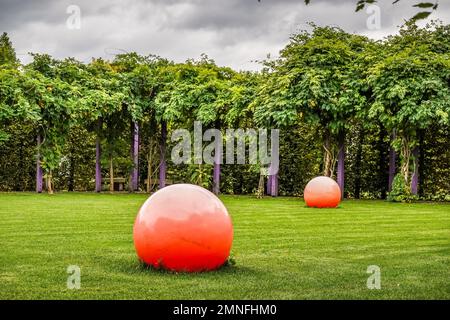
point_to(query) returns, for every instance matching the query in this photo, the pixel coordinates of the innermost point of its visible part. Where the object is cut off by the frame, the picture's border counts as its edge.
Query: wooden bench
(156, 181)
(119, 183)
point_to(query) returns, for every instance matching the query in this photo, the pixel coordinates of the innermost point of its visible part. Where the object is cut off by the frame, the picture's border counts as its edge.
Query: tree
(318, 80)
(11, 97)
(211, 96)
(411, 93)
(57, 102)
(75, 74)
(105, 114)
(14, 105)
(328, 88)
(174, 103)
(7, 52)
(236, 111)
(138, 75)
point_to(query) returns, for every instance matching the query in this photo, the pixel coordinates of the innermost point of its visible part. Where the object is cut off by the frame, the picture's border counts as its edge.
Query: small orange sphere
(322, 192)
(183, 228)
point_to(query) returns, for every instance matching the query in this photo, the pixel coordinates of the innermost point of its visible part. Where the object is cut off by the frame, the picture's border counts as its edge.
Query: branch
(361, 4)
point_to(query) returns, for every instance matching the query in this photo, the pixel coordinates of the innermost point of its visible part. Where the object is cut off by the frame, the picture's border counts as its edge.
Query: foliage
(400, 191)
(426, 8)
(325, 83)
(200, 175)
(317, 79)
(7, 53)
(411, 91)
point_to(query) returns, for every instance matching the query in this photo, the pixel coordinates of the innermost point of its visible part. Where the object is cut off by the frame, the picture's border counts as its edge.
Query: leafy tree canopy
(425, 8)
(7, 52)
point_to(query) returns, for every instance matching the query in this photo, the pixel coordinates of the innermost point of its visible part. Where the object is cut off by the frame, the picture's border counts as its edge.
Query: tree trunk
(39, 175)
(260, 191)
(415, 177)
(329, 158)
(421, 162)
(341, 163)
(162, 163)
(72, 164)
(49, 182)
(134, 156)
(392, 161)
(405, 157)
(358, 164)
(382, 163)
(111, 174)
(199, 180)
(71, 182)
(149, 178)
(151, 169)
(98, 154)
(18, 182)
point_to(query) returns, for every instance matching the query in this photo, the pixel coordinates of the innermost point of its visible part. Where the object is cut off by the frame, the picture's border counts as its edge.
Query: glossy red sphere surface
(183, 228)
(322, 192)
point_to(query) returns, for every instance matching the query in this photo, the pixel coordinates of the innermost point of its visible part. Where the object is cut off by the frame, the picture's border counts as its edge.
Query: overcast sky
(232, 32)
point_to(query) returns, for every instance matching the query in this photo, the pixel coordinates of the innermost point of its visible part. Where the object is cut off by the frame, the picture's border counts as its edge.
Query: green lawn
(282, 250)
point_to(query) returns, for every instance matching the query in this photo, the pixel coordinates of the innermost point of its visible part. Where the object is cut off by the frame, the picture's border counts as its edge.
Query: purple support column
(392, 161)
(274, 185)
(275, 192)
(274, 178)
(216, 178)
(269, 185)
(162, 163)
(217, 162)
(39, 174)
(415, 177)
(341, 164)
(135, 156)
(98, 153)
(216, 173)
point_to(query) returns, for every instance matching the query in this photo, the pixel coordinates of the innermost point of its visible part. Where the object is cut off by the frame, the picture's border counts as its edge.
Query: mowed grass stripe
(282, 249)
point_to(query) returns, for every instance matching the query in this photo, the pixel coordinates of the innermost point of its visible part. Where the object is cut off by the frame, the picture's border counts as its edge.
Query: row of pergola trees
(328, 78)
(108, 98)
(335, 80)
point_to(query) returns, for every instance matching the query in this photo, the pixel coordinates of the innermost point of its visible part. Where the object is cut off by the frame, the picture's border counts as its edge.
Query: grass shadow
(229, 267)
(132, 265)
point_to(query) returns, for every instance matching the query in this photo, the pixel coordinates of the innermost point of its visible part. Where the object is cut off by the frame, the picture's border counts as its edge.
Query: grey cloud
(233, 32)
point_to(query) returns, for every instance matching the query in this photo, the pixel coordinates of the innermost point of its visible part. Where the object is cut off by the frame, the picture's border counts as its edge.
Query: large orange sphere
(322, 192)
(184, 228)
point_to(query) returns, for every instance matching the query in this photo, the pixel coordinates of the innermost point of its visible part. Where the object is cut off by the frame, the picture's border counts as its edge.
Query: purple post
(392, 161)
(135, 156)
(162, 157)
(274, 185)
(269, 185)
(98, 166)
(415, 177)
(39, 174)
(216, 178)
(341, 163)
(217, 162)
(273, 179)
